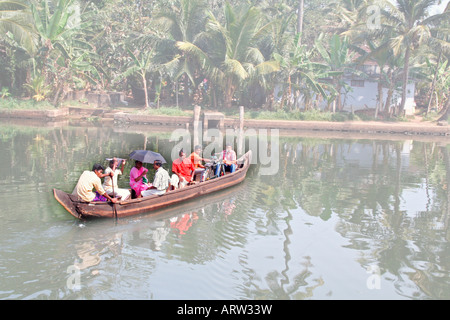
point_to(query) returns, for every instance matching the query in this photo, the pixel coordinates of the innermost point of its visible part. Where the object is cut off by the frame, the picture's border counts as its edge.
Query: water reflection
(336, 210)
(389, 202)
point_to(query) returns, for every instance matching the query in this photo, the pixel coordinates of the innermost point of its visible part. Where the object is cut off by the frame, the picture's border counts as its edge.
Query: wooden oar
(114, 195)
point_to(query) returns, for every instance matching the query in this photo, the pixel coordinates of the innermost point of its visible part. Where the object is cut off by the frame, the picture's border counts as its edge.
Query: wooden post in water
(197, 134)
(240, 147)
(241, 118)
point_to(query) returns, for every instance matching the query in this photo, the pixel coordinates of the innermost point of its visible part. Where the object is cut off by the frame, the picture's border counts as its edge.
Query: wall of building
(364, 96)
(360, 98)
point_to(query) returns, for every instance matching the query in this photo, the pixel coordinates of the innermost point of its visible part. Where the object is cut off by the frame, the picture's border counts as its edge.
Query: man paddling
(91, 180)
(110, 183)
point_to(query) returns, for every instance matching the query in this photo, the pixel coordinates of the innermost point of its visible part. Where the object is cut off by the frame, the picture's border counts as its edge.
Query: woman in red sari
(137, 183)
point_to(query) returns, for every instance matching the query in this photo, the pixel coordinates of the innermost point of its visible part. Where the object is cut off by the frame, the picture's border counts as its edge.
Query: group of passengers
(184, 170)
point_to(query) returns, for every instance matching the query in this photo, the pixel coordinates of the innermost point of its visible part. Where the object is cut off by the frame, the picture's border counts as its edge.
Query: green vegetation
(26, 104)
(166, 111)
(284, 58)
(311, 115)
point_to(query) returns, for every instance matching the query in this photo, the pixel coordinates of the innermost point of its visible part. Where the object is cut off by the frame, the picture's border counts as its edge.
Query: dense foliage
(262, 54)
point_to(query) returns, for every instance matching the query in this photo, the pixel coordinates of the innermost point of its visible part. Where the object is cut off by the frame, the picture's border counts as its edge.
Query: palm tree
(436, 73)
(18, 39)
(229, 54)
(410, 23)
(276, 43)
(15, 18)
(52, 27)
(141, 64)
(338, 58)
(345, 14)
(184, 24)
(300, 16)
(63, 49)
(236, 56)
(298, 67)
(440, 40)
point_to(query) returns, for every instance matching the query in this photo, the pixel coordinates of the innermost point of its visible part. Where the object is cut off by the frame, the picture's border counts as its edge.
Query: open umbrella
(147, 156)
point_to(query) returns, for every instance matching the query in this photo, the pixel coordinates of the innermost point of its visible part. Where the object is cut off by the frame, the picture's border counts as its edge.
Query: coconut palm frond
(267, 67)
(255, 55)
(234, 67)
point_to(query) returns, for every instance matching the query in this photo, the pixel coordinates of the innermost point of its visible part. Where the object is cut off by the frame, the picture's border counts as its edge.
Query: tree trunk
(44, 70)
(405, 80)
(283, 98)
(300, 20)
(338, 98)
(58, 93)
(289, 93)
(229, 94)
(390, 92)
(446, 209)
(186, 91)
(214, 93)
(446, 110)
(379, 98)
(270, 100)
(433, 84)
(145, 90)
(387, 106)
(176, 92)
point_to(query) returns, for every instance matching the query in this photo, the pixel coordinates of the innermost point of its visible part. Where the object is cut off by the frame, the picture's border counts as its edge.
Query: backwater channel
(333, 218)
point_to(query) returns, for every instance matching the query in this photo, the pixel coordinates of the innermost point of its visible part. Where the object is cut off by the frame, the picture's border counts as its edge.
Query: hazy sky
(437, 9)
(440, 8)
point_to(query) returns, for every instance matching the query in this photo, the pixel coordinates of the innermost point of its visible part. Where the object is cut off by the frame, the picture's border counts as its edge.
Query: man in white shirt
(110, 183)
(161, 182)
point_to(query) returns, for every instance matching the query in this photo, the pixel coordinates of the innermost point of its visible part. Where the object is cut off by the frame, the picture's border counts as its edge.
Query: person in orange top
(183, 170)
(197, 160)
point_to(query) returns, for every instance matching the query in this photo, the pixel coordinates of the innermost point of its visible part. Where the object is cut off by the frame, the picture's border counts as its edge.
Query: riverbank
(414, 126)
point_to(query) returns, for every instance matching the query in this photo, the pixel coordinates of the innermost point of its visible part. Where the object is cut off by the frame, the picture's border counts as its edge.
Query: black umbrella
(147, 156)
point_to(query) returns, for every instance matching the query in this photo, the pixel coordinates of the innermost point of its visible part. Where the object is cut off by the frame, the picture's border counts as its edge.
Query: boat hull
(82, 210)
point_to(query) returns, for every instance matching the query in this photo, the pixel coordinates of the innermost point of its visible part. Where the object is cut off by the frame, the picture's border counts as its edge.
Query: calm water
(341, 219)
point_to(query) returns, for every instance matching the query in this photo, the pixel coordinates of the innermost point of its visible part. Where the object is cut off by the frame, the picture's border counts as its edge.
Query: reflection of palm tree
(277, 289)
(446, 213)
(287, 255)
(427, 187)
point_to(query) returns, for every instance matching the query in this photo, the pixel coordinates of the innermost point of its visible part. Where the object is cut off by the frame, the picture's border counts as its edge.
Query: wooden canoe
(82, 210)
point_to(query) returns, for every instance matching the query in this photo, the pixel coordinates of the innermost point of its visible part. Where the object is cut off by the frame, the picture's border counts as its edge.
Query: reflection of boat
(80, 209)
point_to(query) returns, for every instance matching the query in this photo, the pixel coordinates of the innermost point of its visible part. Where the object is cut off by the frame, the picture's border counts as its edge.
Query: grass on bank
(165, 111)
(24, 104)
(312, 115)
(10, 103)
